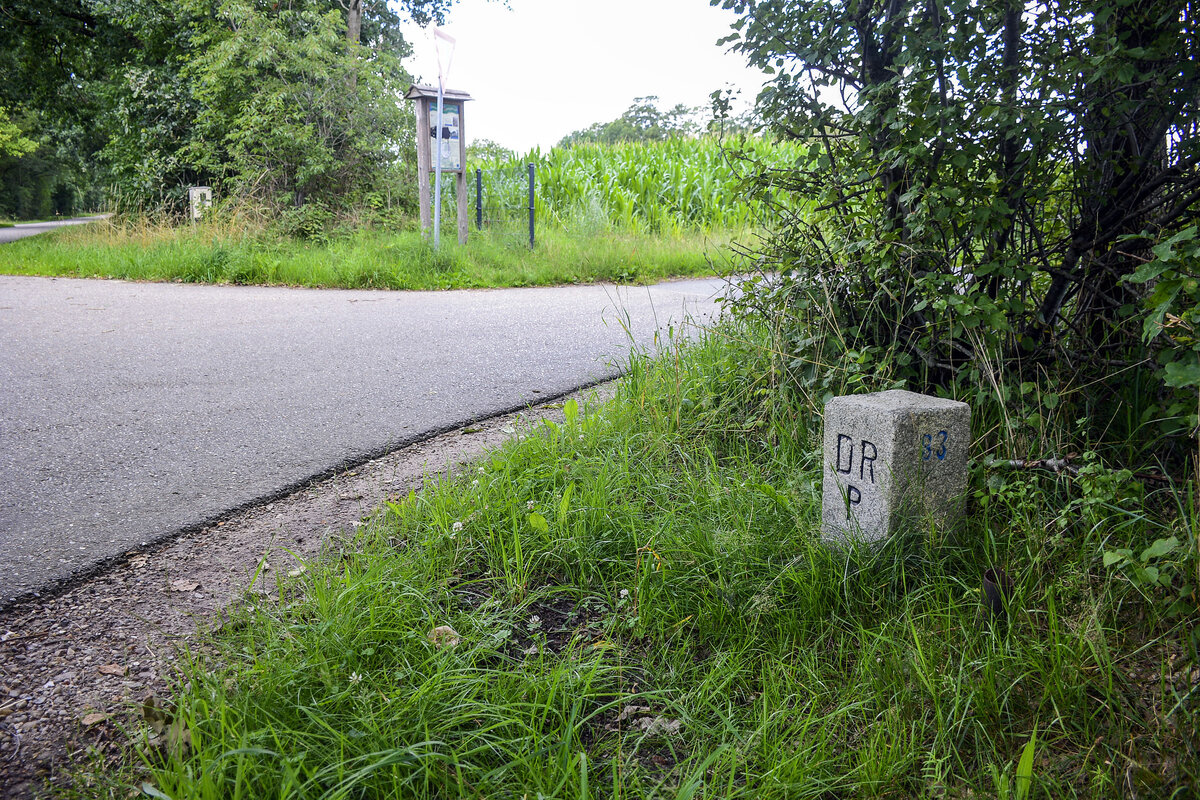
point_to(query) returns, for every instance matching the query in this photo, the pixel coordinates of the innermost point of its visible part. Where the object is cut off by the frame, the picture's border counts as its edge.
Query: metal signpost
(441, 110)
(440, 116)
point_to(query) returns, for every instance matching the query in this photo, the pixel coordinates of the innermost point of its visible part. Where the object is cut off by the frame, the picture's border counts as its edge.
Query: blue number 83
(927, 441)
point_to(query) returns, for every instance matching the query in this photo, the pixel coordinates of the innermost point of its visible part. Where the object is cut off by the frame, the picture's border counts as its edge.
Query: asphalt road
(132, 411)
(34, 228)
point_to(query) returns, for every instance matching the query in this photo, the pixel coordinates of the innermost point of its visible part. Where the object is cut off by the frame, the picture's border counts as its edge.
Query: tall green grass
(645, 609)
(220, 252)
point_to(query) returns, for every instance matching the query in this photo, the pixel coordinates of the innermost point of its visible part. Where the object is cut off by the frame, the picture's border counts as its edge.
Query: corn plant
(663, 187)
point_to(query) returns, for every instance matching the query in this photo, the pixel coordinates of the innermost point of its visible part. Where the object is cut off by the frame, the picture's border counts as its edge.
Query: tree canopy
(280, 102)
(13, 142)
(995, 192)
(643, 121)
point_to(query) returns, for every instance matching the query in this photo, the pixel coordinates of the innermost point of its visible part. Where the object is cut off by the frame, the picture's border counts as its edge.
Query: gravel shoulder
(75, 667)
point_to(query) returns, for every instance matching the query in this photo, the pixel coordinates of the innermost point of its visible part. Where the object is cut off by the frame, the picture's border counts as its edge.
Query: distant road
(34, 228)
(132, 411)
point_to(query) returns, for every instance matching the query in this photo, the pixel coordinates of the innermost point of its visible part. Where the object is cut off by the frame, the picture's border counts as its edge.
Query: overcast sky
(544, 68)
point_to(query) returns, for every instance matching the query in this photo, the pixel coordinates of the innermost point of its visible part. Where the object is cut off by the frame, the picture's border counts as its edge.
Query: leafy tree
(13, 141)
(47, 56)
(289, 111)
(724, 122)
(146, 96)
(985, 183)
(40, 173)
(484, 150)
(641, 122)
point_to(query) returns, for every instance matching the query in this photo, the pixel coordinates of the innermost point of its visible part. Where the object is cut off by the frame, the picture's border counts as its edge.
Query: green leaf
(1160, 301)
(1148, 271)
(538, 523)
(1180, 374)
(1165, 251)
(1113, 556)
(564, 505)
(1160, 548)
(775, 495)
(150, 791)
(1025, 767)
(571, 411)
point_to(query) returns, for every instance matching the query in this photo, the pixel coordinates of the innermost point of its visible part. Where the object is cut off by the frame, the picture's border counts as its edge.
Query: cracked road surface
(130, 412)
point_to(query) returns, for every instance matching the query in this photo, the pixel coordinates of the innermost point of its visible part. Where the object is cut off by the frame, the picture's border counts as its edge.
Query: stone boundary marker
(891, 455)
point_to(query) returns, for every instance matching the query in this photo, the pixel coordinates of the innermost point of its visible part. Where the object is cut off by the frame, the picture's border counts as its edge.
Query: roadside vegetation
(669, 186)
(221, 252)
(636, 602)
(626, 212)
(308, 143)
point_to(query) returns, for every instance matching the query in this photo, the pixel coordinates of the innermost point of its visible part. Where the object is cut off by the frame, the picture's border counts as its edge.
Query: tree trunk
(1125, 123)
(354, 22)
(353, 35)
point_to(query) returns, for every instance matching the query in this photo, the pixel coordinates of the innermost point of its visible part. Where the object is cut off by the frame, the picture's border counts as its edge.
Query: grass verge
(635, 603)
(220, 252)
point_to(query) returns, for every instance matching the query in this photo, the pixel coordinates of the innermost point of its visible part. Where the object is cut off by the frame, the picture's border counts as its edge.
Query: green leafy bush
(1004, 195)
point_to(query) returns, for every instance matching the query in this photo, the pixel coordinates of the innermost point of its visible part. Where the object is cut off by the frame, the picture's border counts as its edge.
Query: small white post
(199, 199)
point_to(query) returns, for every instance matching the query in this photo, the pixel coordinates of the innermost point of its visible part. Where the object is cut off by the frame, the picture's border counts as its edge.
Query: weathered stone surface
(892, 455)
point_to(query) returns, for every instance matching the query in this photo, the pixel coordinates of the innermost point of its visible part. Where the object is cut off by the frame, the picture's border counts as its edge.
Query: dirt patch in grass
(75, 668)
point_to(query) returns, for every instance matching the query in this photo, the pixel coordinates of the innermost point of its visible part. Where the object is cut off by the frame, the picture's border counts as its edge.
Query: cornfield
(662, 187)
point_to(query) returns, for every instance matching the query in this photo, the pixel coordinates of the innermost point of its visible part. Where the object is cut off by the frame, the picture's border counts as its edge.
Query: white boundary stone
(200, 198)
(892, 455)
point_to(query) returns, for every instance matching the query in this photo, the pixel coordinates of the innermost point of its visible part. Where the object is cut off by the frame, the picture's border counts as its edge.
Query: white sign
(451, 128)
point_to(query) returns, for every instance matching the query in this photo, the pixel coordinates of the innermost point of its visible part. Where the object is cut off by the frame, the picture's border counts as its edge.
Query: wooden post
(423, 165)
(460, 197)
(460, 200)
